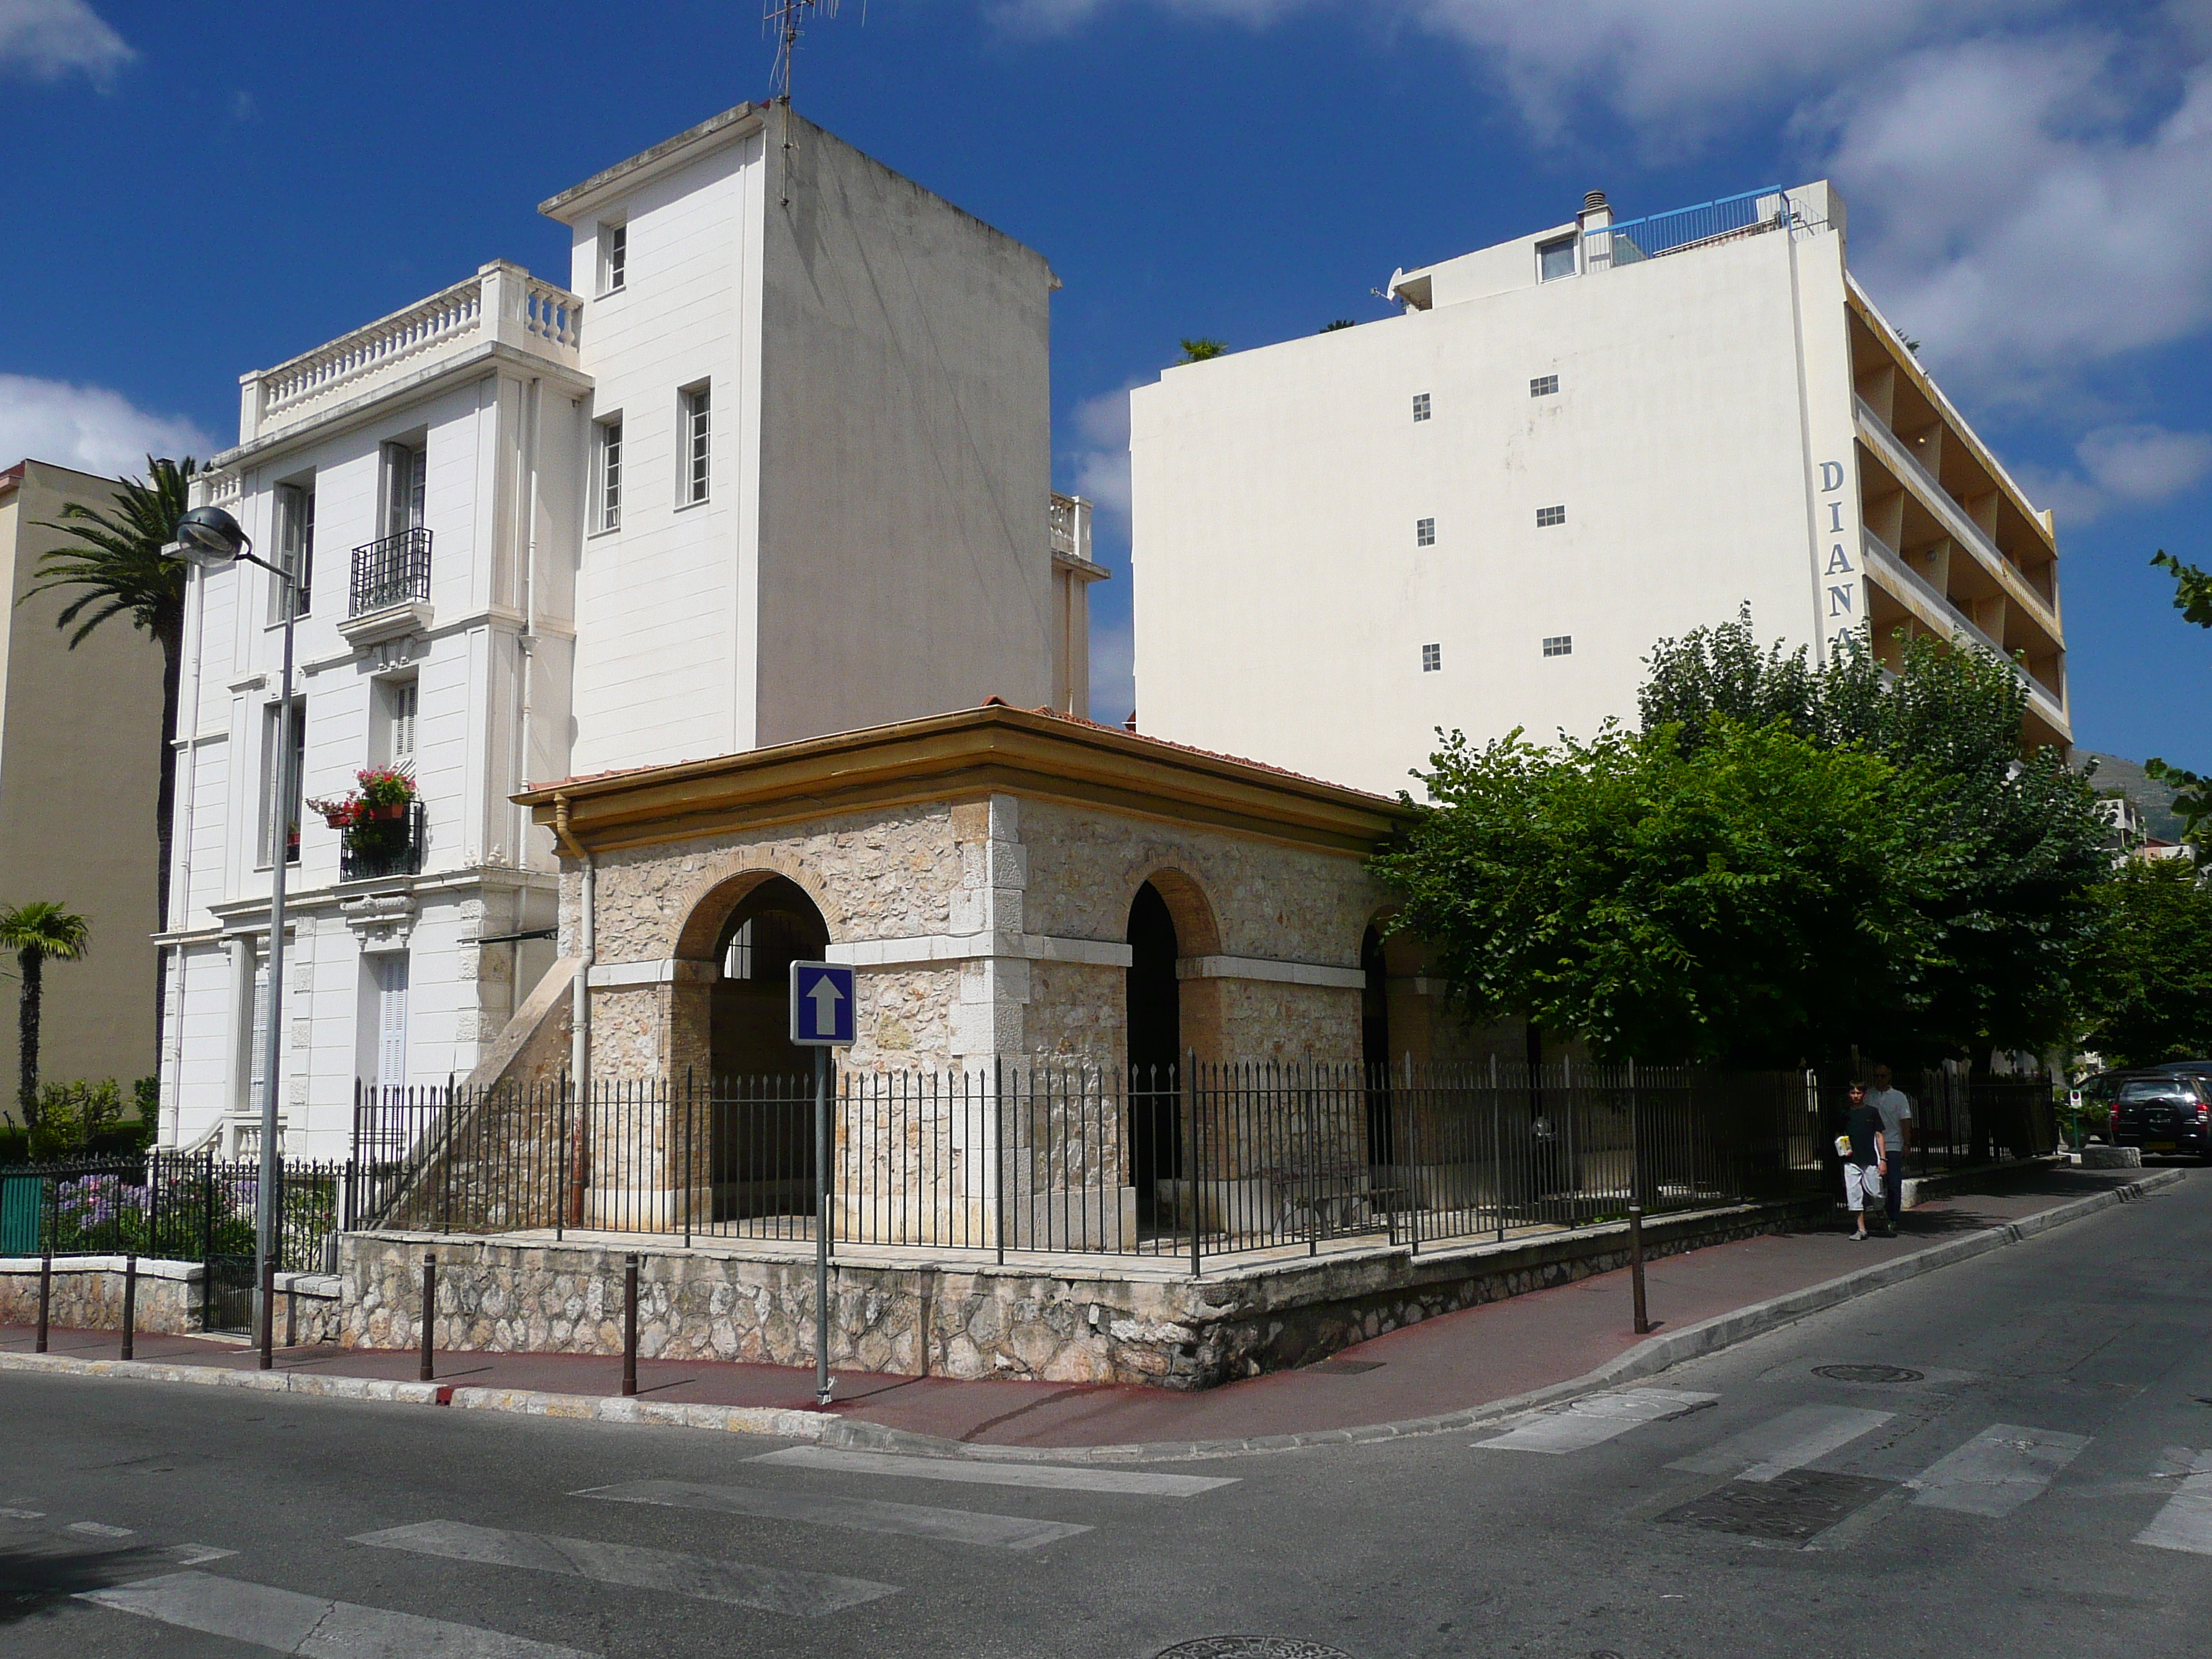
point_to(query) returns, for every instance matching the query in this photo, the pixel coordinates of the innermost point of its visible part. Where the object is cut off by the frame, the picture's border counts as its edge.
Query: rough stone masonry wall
(984, 1321)
(88, 1295)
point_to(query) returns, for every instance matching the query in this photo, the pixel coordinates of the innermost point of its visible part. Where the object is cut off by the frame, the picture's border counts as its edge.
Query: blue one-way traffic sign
(821, 1004)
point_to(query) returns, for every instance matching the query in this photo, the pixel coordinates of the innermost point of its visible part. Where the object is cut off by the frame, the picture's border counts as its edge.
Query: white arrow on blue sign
(821, 1004)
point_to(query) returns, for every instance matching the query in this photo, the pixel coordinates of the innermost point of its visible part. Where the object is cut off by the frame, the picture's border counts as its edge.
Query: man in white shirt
(1896, 1109)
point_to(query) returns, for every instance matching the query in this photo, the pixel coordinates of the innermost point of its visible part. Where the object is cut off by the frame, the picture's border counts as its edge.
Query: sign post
(821, 1019)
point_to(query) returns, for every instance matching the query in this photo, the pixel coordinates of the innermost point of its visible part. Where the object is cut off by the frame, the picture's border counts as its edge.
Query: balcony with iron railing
(390, 847)
(502, 304)
(391, 586)
(1620, 242)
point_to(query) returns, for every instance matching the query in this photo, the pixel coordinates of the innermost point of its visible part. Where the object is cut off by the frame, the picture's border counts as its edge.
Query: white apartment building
(1483, 512)
(773, 462)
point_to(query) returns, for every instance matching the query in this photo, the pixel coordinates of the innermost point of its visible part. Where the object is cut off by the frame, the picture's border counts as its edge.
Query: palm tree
(117, 560)
(35, 932)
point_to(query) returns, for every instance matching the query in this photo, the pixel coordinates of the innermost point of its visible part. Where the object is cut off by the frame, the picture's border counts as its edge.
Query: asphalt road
(2034, 1490)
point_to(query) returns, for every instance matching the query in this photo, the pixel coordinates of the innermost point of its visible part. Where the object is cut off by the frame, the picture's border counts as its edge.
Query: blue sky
(196, 190)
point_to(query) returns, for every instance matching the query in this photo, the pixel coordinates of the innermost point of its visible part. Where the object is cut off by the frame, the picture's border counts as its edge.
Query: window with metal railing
(393, 848)
(393, 570)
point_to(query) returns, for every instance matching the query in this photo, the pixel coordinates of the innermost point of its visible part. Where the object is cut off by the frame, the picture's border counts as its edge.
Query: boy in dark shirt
(1868, 1161)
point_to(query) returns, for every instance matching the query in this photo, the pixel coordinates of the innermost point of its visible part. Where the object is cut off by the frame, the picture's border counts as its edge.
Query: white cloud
(46, 40)
(1681, 67)
(88, 428)
(2026, 210)
(1101, 461)
(1061, 17)
(2123, 466)
(1113, 672)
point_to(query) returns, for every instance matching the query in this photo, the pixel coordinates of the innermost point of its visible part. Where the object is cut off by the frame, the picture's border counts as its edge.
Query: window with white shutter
(257, 1060)
(403, 695)
(391, 1021)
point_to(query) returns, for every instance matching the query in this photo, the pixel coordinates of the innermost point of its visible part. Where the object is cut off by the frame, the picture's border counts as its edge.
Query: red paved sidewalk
(1440, 1365)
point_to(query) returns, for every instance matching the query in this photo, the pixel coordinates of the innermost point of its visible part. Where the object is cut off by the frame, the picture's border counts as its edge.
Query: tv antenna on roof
(789, 19)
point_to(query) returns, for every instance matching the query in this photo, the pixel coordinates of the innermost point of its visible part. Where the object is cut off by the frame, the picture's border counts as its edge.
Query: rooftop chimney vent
(1593, 199)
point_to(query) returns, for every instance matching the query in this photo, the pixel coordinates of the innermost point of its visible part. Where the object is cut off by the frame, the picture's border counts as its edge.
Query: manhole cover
(1346, 1367)
(1868, 1374)
(1251, 1647)
(1790, 1508)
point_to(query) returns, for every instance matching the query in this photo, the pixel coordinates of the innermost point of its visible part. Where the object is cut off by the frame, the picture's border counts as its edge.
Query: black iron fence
(391, 571)
(1193, 1162)
(177, 1206)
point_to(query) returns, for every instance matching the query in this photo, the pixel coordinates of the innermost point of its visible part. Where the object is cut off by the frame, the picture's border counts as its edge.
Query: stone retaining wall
(1073, 1325)
(87, 1295)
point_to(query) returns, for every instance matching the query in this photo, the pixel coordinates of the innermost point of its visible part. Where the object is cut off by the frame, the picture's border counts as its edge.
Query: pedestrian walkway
(1450, 1364)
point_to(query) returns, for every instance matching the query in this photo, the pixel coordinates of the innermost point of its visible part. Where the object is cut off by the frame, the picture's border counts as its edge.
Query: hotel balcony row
(1952, 545)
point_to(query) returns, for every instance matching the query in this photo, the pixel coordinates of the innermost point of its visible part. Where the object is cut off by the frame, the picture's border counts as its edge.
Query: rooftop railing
(1628, 241)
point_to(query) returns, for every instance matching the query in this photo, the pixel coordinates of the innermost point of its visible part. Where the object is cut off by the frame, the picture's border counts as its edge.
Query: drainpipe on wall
(580, 1004)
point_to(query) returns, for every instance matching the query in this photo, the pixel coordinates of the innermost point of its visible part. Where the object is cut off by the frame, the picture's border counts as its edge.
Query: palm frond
(116, 556)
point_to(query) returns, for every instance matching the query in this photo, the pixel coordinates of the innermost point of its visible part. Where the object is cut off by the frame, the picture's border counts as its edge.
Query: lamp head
(210, 537)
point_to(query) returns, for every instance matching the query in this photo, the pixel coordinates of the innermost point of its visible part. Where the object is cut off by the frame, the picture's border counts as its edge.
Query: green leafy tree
(2015, 841)
(1198, 351)
(2192, 799)
(2150, 978)
(37, 932)
(1747, 896)
(71, 1115)
(115, 567)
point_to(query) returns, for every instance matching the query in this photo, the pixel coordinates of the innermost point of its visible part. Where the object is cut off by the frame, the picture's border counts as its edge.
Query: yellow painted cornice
(964, 756)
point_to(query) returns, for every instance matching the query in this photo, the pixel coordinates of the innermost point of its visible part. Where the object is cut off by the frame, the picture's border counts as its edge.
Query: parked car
(2165, 1110)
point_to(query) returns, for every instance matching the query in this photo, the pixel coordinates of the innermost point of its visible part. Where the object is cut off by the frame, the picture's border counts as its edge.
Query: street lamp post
(210, 539)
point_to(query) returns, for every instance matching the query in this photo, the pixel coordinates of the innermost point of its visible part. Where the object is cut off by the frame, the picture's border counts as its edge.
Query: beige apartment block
(80, 742)
(1483, 512)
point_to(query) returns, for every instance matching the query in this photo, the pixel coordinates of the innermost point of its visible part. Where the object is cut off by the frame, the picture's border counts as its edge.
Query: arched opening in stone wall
(1155, 1011)
(761, 1142)
(773, 926)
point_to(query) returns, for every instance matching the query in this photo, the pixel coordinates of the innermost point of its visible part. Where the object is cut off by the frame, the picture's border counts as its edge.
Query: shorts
(1862, 1187)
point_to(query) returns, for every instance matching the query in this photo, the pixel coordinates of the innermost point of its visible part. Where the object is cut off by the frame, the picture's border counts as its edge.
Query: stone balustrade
(502, 303)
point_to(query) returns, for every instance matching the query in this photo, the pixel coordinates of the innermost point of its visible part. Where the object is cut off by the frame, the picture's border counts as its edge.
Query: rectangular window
(1421, 406)
(1433, 659)
(1425, 533)
(697, 451)
(296, 547)
(614, 258)
(256, 1040)
(1560, 645)
(406, 474)
(1548, 516)
(403, 694)
(390, 1020)
(1543, 385)
(1555, 259)
(275, 750)
(607, 514)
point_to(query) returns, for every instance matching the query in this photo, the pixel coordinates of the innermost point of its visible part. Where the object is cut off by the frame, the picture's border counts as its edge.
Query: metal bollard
(46, 1292)
(269, 1313)
(1636, 1266)
(430, 1310)
(130, 1303)
(630, 1324)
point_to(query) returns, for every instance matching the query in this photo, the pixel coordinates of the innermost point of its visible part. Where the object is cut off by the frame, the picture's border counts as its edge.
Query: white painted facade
(830, 509)
(1483, 512)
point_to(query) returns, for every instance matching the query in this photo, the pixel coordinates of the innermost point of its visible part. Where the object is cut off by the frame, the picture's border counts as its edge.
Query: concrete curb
(1646, 1358)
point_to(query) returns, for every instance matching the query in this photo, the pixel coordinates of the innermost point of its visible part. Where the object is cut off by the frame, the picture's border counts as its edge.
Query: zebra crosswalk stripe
(1596, 1418)
(1012, 1532)
(2186, 1522)
(312, 1626)
(773, 1590)
(2001, 1469)
(979, 1472)
(1790, 1441)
